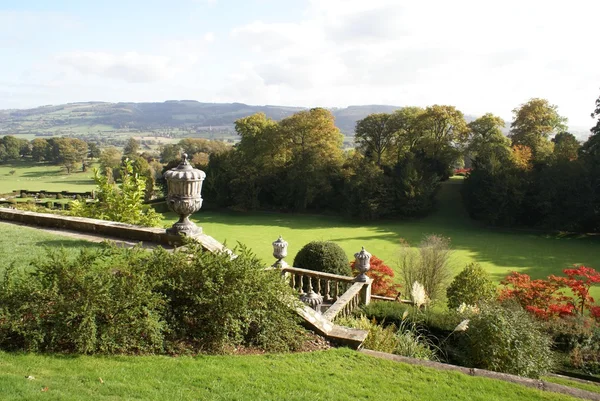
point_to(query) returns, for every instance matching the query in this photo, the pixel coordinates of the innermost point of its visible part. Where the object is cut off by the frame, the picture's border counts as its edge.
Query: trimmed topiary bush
(323, 256)
(471, 286)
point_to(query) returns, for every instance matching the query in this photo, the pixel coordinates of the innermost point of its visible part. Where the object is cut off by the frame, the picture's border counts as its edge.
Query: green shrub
(323, 256)
(505, 338)
(59, 196)
(117, 300)
(222, 302)
(586, 355)
(405, 340)
(471, 286)
(123, 204)
(92, 303)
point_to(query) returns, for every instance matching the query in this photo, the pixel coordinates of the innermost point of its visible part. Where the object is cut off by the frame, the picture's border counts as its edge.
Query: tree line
(540, 176)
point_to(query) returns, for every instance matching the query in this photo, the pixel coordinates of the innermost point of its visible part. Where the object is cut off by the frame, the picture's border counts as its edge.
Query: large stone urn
(185, 186)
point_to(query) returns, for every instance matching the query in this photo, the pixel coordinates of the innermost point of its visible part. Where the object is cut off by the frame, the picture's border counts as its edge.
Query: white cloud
(479, 56)
(173, 57)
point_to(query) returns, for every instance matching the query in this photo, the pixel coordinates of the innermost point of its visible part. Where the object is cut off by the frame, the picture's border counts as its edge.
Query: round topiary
(323, 256)
(471, 286)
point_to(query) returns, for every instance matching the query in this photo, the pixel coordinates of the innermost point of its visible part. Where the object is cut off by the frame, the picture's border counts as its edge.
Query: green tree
(131, 147)
(94, 150)
(70, 152)
(169, 153)
(10, 148)
(487, 142)
(40, 149)
(566, 146)
(444, 130)
(533, 124)
(375, 135)
(408, 133)
(314, 143)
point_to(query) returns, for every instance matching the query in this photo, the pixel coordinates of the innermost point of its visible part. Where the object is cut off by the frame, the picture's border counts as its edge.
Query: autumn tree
(533, 124)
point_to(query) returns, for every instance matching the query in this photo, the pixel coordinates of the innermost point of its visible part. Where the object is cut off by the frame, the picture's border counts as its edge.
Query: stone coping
(105, 228)
(525, 381)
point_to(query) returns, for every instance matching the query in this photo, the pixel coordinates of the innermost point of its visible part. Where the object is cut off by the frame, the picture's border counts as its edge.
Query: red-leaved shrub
(383, 278)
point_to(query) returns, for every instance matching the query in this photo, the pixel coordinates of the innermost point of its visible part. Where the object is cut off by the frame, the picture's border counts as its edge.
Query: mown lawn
(337, 374)
(499, 251)
(40, 176)
(23, 245)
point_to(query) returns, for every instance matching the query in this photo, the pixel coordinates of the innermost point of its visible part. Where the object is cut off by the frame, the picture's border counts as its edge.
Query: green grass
(40, 176)
(23, 245)
(499, 251)
(594, 388)
(338, 374)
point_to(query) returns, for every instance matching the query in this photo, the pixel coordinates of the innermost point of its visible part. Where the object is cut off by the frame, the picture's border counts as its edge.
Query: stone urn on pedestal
(185, 187)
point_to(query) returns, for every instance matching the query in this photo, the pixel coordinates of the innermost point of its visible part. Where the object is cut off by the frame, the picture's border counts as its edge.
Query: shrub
(59, 196)
(323, 256)
(505, 338)
(117, 300)
(80, 305)
(405, 341)
(123, 204)
(471, 286)
(383, 278)
(586, 356)
(429, 266)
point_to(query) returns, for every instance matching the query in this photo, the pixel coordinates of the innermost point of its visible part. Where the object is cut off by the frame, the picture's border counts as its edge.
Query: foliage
(123, 204)
(586, 355)
(375, 134)
(88, 304)
(471, 286)
(403, 340)
(504, 338)
(566, 146)
(383, 277)
(118, 300)
(323, 256)
(546, 298)
(533, 123)
(428, 266)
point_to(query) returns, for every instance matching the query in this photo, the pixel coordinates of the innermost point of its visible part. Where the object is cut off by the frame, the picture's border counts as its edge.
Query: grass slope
(498, 250)
(23, 245)
(39, 176)
(338, 374)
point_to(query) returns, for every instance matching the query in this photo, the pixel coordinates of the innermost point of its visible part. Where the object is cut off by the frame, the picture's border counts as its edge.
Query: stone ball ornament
(184, 196)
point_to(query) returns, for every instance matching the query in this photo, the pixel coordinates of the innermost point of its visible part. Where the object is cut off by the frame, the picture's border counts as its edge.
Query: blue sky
(479, 56)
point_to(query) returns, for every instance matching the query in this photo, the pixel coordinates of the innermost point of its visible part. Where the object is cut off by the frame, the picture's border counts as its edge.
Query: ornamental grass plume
(462, 326)
(418, 294)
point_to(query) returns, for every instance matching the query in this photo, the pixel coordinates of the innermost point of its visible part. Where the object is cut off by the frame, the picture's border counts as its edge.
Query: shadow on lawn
(57, 244)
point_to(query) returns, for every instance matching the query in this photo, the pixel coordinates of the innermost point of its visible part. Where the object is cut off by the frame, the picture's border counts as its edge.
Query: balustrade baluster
(301, 284)
(327, 289)
(319, 286)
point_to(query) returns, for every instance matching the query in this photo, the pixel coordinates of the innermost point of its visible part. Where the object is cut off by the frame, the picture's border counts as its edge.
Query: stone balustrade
(329, 286)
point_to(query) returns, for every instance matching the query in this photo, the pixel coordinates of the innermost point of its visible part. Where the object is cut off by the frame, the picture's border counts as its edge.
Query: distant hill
(151, 116)
(188, 115)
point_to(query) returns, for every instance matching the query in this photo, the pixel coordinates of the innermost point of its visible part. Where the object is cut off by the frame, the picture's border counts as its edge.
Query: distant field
(40, 176)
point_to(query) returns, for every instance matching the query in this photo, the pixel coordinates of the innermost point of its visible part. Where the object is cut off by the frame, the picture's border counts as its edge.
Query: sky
(477, 55)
